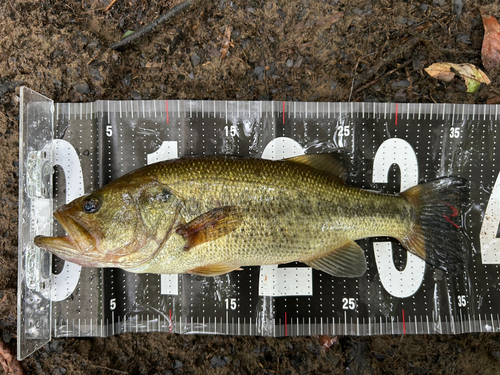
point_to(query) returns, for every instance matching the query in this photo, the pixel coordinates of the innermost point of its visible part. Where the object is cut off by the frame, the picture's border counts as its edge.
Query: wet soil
(374, 50)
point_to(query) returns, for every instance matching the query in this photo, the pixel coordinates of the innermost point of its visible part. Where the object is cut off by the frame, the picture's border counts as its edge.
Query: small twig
(110, 5)
(164, 18)
(365, 86)
(390, 58)
(355, 69)
(108, 368)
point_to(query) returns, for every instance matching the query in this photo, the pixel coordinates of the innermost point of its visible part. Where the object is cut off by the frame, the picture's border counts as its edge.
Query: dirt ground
(303, 50)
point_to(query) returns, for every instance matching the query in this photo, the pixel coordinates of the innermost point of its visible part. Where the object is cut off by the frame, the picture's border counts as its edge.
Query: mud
(374, 50)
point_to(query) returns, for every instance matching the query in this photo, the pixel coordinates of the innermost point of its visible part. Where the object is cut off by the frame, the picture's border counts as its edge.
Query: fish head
(120, 225)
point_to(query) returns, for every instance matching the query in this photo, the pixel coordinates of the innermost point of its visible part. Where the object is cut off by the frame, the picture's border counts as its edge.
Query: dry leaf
(327, 341)
(471, 74)
(153, 64)
(495, 100)
(490, 53)
(329, 20)
(226, 42)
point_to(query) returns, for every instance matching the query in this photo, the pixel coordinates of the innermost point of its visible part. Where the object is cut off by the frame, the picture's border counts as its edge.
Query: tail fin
(436, 235)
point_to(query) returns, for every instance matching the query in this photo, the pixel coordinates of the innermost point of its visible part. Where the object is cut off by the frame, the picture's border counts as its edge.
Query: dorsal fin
(333, 163)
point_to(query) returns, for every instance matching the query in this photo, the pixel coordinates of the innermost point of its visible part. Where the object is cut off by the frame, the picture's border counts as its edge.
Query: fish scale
(302, 212)
(107, 139)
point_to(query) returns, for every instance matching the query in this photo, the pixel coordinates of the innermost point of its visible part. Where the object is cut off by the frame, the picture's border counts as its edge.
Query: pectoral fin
(210, 226)
(213, 270)
(346, 261)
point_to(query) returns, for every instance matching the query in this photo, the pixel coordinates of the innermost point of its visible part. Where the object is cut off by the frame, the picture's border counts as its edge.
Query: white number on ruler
(348, 303)
(454, 132)
(490, 244)
(462, 302)
(168, 150)
(109, 130)
(112, 303)
(231, 303)
(398, 283)
(272, 281)
(66, 157)
(231, 130)
(345, 130)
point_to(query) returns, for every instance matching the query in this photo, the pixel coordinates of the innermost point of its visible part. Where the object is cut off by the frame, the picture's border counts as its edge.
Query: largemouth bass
(212, 215)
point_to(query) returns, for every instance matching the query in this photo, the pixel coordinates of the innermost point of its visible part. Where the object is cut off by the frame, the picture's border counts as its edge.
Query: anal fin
(213, 270)
(346, 261)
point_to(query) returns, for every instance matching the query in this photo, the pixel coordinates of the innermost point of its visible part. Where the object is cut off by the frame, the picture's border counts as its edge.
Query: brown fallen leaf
(9, 361)
(490, 53)
(329, 20)
(327, 341)
(495, 100)
(151, 64)
(226, 42)
(471, 74)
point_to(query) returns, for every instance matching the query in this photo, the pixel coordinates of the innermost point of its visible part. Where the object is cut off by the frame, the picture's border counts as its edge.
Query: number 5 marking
(398, 283)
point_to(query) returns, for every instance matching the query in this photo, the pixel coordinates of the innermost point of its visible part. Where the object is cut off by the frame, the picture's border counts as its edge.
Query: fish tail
(436, 232)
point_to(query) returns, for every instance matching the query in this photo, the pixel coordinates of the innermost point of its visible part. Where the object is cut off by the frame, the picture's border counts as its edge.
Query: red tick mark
(283, 112)
(448, 217)
(404, 324)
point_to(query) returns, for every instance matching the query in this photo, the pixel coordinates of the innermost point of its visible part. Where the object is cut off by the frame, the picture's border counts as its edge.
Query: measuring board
(70, 149)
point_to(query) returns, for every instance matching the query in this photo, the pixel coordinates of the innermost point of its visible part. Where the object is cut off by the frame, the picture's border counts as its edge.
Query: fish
(209, 215)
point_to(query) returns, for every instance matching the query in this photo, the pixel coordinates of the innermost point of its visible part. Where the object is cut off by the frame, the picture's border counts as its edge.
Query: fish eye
(91, 204)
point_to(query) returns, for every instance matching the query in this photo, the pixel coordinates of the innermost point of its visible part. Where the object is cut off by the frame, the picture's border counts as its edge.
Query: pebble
(403, 83)
(298, 62)
(218, 362)
(6, 337)
(458, 5)
(289, 63)
(136, 95)
(126, 80)
(463, 38)
(195, 59)
(94, 73)
(402, 20)
(8, 86)
(400, 96)
(56, 346)
(82, 88)
(258, 70)
(178, 364)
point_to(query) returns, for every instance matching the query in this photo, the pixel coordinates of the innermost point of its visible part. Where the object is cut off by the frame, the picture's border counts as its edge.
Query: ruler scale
(391, 146)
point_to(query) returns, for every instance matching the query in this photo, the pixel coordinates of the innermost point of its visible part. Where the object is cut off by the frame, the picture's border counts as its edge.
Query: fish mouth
(77, 241)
